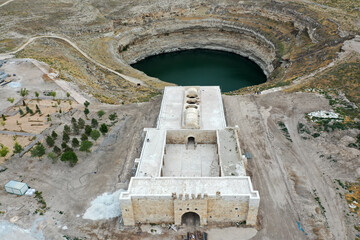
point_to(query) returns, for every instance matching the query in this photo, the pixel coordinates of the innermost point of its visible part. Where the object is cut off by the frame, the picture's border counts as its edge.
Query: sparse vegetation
(284, 130)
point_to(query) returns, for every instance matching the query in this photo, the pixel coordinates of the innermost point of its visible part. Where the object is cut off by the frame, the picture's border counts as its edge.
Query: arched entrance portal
(190, 219)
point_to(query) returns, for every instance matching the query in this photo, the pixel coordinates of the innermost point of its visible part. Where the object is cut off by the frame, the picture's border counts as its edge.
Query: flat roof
(165, 186)
(211, 108)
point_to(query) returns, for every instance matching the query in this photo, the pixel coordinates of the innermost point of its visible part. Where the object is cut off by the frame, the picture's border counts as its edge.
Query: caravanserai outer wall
(216, 193)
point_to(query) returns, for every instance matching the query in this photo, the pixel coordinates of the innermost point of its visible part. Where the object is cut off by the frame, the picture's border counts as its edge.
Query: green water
(203, 68)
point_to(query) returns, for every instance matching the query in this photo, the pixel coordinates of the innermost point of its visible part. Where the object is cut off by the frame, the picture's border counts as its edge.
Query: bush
(54, 135)
(64, 145)
(18, 148)
(69, 156)
(57, 150)
(86, 104)
(104, 128)
(94, 123)
(66, 137)
(76, 129)
(81, 123)
(84, 137)
(50, 141)
(86, 146)
(113, 116)
(75, 142)
(95, 134)
(67, 129)
(73, 120)
(3, 150)
(38, 150)
(21, 112)
(52, 155)
(88, 130)
(86, 111)
(100, 113)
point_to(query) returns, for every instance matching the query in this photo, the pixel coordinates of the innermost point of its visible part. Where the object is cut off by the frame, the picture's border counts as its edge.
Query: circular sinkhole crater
(203, 67)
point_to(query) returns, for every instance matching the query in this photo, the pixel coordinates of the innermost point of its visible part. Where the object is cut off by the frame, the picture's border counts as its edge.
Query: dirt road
(289, 174)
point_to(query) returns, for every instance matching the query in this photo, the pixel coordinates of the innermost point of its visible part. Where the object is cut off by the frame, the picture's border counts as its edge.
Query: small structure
(18, 188)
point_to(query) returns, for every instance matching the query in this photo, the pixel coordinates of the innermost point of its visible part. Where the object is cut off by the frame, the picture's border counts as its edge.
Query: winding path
(9, 1)
(128, 78)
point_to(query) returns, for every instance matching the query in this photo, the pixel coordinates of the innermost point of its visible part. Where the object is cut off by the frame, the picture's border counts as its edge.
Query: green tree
(53, 156)
(64, 145)
(69, 156)
(53, 94)
(94, 123)
(65, 137)
(38, 150)
(112, 116)
(67, 94)
(38, 109)
(84, 137)
(104, 128)
(95, 134)
(73, 120)
(76, 129)
(86, 104)
(3, 117)
(75, 142)
(86, 146)
(18, 148)
(86, 111)
(29, 110)
(88, 130)
(81, 123)
(3, 150)
(57, 150)
(36, 94)
(24, 92)
(100, 113)
(67, 129)
(21, 112)
(50, 141)
(54, 135)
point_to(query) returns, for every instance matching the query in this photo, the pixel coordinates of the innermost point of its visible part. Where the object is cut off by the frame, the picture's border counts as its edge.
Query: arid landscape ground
(305, 167)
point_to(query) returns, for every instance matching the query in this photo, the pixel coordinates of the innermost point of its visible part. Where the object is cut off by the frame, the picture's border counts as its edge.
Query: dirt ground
(291, 175)
(287, 175)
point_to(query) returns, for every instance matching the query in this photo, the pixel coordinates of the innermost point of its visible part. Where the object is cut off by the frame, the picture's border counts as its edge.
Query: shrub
(76, 129)
(3, 150)
(94, 123)
(50, 141)
(81, 123)
(88, 130)
(52, 155)
(86, 146)
(38, 150)
(24, 92)
(11, 99)
(100, 113)
(66, 137)
(75, 142)
(86, 104)
(67, 94)
(112, 117)
(64, 145)
(69, 156)
(18, 148)
(54, 135)
(67, 129)
(36, 94)
(86, 111)
(104, 128)
(95, 134)
(73, 120)
(21, 112)
(84, 137)
(57, 150)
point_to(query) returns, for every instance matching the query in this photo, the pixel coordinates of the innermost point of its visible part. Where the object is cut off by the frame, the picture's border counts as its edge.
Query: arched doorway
(190, 143)
(190, 219)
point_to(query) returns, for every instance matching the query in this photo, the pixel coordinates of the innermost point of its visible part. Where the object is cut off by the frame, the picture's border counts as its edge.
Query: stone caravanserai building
(191, 166)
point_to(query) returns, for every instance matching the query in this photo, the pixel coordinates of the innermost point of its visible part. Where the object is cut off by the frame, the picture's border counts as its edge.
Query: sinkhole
(202, 67)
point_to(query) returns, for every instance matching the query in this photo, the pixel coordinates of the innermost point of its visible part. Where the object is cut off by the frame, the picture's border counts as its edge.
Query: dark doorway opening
(190, 219)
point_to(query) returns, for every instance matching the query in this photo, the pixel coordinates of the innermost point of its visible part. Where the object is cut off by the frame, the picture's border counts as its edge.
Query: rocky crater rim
(140, 43)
